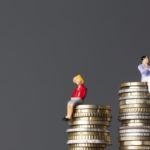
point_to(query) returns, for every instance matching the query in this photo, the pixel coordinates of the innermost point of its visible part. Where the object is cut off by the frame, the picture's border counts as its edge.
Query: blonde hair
(80, 77)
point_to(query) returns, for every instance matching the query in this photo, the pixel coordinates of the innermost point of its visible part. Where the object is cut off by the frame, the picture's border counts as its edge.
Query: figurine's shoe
(65, 119)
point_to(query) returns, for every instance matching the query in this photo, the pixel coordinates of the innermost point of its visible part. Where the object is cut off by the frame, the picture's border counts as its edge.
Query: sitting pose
(144, 69)
(77, 98)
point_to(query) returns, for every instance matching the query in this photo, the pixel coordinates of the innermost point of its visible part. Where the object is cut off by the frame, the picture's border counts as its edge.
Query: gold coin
(93, 107)
(90, 137)
(135, 101)
(106, 123)
(85, 148)
(135, 124)
(127, 143)
(135, 147)
(136, 121)
(129, 110)
(90, 126)
(88, 145)
(92, 119)
(126, 84)
(92, 110)
(87, 133)
(100, 137)
(92, 114)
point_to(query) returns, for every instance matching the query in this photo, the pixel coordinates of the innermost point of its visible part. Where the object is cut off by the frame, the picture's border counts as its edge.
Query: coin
(133, 94)
(92, 110)
(135, 114)
(134, 105)
(106, 123)
(135, 124)
(106, 138)
(85, 148)
(127, 110)
(134, 131)
(134, 97)
(134, 134)
(93, 107)
(135, 147)
(134, 138)
(87, 133)
(136, 121)
(93, 119)
(134, 87)
(126, 84)
(133, 90)
(90, 126)
(133, 117)
(94, 145)
(135, 127)
(87, 129)
(86, 141)
(92, 114)
(135, 101)
(126, 143)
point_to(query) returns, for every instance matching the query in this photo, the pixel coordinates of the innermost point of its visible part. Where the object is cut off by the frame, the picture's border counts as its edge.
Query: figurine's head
(78, 80)
(145, 59)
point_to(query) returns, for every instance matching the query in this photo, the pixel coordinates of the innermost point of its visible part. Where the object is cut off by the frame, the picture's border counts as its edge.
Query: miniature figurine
(77, 98)
(144, 69)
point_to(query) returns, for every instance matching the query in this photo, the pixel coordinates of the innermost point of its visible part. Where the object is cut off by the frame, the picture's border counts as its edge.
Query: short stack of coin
(134, 116)
(89, 128)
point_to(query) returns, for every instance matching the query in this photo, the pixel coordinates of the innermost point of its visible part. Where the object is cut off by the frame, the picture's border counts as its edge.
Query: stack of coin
(89, 128)
(134, 116)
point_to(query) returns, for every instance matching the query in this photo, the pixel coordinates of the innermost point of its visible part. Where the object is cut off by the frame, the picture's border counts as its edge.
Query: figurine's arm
(143, 70)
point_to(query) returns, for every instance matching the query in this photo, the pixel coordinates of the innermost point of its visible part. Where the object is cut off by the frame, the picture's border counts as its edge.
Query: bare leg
(70, 109)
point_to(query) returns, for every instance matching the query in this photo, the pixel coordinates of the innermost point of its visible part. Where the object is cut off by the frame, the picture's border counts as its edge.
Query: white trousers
(146, 79)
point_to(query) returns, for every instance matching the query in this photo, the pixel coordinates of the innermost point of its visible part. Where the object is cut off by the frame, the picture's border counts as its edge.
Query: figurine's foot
(65, 119)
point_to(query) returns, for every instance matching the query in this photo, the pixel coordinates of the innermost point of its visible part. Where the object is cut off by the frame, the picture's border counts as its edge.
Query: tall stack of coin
(134, 116)
(89, 128)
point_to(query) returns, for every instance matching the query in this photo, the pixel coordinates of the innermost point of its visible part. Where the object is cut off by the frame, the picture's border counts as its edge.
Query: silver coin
(134, 134)
(86, 141)
(134, 97)
(134, 131)
(134, 147)
(135, 87)
(86, 129)
(137, 114)
(133, 117)
(134, 105)
(107, 123)
(133, 90)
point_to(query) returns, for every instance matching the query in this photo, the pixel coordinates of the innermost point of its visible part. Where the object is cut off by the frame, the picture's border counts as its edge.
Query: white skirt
(146, 79)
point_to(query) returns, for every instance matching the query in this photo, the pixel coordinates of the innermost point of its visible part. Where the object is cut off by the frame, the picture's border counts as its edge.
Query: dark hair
(143, 57)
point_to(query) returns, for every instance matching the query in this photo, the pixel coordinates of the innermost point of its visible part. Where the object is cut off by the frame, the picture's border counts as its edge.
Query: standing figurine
(144, 69)
(77, 98)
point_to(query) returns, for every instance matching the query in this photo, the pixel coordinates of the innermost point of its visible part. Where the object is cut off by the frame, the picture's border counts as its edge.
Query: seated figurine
(144, 69)
(77, 98)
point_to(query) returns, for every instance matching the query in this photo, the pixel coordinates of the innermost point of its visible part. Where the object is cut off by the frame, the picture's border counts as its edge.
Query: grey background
(43, 44)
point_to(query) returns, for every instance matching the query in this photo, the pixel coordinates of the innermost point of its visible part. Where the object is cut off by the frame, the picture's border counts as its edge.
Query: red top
(80, 91)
